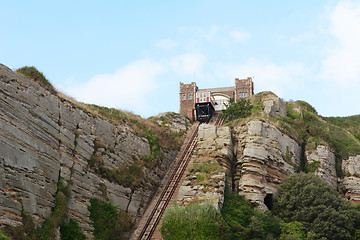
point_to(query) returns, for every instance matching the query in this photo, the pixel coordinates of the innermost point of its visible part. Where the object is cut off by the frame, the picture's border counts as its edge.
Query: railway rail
(184, 157)
(166, 195)
(217, 120)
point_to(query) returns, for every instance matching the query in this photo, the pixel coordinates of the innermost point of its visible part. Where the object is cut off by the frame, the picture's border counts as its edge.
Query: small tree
(308, 199)
(236, 110)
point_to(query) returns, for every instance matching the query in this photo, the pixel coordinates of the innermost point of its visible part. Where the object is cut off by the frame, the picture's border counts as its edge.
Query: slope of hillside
(56, 155)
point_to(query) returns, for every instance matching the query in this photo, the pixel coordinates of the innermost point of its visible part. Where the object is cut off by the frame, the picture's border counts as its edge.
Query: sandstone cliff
(205, 178)
(45, 138)
(257, 153)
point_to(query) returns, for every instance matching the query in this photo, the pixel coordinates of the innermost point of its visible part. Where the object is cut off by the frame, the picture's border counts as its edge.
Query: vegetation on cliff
(37, 76)
(109, 223)
(303, 124)
(138, 168)
(159, 138)
(236, 110)
(28, 231)
(3, 237)
(140, 126)
(323, 213)
(192, 222)
(306, 207)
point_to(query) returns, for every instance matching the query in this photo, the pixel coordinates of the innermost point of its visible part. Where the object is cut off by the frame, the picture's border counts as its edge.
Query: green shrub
(3, 237)
(306, 106)
(34, 74)
(47, 230)
(292, 231)
(107, 221)
(237, 213)
(312, 167)
(192, 222)
(351, 124)
(307, 199)
(291, 112)
(247, 223)
(263, 226)
(71, 231)
(237, 110)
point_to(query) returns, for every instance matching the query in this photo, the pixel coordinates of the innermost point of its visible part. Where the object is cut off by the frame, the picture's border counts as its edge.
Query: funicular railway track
(166, 195)
(217, 120)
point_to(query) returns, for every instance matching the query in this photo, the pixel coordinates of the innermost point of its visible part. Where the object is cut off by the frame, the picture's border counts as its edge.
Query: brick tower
(244, 88)
(187, 99)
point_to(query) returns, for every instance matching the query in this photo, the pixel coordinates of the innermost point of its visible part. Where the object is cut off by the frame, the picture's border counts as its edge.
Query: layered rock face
(265, 156)
(175, 123)
(274, 106)
(323, 160)
(44, 138)
(205, 179)
(261, 155)
(350, 184)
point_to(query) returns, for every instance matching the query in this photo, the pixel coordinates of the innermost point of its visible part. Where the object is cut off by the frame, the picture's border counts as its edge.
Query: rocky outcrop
(323, 160)
(273, 105)
(205, 179)
(265, 156)
(44, 138)
(350, 184)
(175, 122)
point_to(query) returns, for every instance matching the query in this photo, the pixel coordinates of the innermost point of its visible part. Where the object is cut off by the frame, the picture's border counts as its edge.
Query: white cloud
(342, 65)
(268, 76)
(125, 89)
(166, 44)
(188, 63)
(302, 37)
(211, 34)
(239, 36)
(196, 39)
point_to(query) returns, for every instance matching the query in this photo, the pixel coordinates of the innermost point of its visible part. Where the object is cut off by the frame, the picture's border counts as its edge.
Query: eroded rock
(265, 157)
(44, 138)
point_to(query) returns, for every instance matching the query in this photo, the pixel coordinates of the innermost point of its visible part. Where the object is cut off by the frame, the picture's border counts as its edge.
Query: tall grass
(192, 222)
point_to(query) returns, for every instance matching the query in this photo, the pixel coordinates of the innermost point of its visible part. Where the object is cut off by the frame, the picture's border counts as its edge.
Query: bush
(307, 199)
(34, 74)
(264, 226)
(237, 213)
(71, 231)
(47, 230)
(192, 222)
(237, 110)
(107, 221)
(292, 231)
(3, 237)
(306, 106)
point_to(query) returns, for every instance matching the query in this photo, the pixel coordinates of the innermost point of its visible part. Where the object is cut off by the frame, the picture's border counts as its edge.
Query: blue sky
(132, 55)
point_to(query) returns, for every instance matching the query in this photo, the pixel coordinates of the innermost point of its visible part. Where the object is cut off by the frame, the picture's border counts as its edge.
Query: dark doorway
(268, 200)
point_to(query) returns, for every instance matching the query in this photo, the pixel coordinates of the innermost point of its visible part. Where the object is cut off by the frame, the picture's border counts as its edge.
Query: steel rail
(166, 195)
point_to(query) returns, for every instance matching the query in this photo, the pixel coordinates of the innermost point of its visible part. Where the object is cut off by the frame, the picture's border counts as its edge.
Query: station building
(190, 94)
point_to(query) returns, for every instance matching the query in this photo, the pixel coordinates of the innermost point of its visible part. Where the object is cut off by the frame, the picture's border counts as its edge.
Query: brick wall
(244, 88)
(187, 97)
